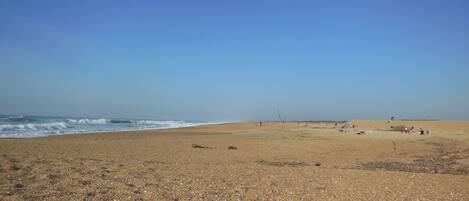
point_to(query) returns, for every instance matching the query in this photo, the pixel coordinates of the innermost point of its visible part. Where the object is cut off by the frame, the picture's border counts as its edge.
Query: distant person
(260, 124)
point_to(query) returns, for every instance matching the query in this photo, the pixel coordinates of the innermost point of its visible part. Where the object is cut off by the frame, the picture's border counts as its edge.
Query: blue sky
(235, 60)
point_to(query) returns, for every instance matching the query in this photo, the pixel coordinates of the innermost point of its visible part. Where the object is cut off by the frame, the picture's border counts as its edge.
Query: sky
(235, 60)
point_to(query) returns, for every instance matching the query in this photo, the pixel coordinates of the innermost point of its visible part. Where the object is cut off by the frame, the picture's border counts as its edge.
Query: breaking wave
(31, 126)
(34, 127)
(88, 121)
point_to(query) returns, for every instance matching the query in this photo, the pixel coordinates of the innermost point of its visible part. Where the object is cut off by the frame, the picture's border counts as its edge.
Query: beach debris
(283, 163)
(19, 185)
(288, 163)
(86, 182)
(232, 148)
(346, 125)
(53, 176)
(15, 168)
(361, 133)
(199, 146)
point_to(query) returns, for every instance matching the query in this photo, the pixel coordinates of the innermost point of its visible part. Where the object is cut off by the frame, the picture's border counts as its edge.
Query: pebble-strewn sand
(278, 161)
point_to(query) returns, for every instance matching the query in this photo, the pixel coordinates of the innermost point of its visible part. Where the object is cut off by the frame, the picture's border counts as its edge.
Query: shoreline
(395, 122)
(120, 131)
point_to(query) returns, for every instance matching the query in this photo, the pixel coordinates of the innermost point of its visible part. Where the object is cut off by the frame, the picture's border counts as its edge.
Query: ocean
(22, 126)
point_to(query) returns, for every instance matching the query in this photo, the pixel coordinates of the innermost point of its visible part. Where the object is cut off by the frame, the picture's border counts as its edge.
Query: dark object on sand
(361, 133)
(421, 132)
(317, 164)
(283, 163)
(198, 146)
(232, 148)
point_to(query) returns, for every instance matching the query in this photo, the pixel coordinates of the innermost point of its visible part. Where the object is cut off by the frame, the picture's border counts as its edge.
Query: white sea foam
(34, 127)
(160, 122)
(88, 121)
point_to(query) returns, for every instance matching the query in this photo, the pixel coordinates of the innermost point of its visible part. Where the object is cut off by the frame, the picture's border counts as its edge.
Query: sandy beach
(243, 161)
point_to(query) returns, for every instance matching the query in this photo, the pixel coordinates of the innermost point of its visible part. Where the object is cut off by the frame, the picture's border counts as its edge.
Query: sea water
(12, 126)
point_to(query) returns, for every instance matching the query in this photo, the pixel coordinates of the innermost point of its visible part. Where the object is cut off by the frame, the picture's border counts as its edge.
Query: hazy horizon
(243, 60)
(274, 118)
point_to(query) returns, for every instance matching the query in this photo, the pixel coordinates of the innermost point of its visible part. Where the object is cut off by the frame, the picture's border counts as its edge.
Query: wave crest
(34, 127)
(88, 121)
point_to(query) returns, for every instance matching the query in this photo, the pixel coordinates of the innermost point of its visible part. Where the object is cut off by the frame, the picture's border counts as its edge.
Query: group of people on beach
(411, 130)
